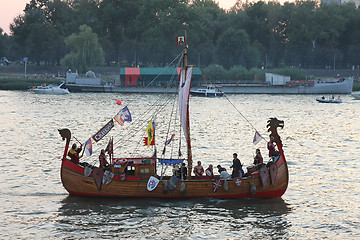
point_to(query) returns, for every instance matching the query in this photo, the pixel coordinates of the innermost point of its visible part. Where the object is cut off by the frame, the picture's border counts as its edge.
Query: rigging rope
(242, 115)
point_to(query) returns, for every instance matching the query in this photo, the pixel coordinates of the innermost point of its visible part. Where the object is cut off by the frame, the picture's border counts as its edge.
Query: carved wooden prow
(272, 126)
(65, 134)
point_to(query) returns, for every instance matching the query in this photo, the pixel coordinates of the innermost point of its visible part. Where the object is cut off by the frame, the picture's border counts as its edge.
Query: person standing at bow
(74, 153)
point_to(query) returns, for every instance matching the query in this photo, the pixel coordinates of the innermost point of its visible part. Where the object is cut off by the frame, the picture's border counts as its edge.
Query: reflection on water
(157, 218)
(321, 143)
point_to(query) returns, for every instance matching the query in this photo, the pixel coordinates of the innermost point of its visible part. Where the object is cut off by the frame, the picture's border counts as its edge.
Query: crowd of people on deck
(237, 166)
(182, 171)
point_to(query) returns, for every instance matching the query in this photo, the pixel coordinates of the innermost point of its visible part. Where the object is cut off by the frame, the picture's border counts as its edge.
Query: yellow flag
(150, 133)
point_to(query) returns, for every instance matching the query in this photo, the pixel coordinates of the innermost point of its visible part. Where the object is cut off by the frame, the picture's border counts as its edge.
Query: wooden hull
(76, 183)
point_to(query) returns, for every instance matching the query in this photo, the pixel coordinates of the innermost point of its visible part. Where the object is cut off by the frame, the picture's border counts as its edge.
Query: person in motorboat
(74, 153)
(198, 171)
(209, 172)
(102, 160)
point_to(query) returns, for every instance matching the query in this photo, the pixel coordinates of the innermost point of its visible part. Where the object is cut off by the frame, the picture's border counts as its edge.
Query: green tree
(214, 73)
(118, 18)
(85, 50)
(348, 39)
(233, 48)
(4, 39)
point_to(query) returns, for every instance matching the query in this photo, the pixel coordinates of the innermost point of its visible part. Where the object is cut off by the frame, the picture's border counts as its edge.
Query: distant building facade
(155, 77)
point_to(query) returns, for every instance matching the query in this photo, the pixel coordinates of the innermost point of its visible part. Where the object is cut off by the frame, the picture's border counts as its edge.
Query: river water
(321, 144)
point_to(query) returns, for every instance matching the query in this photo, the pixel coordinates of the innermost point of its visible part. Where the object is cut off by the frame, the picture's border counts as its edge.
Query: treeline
(86, 33)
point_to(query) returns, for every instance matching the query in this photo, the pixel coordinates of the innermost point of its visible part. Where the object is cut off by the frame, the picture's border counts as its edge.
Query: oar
(82, 154)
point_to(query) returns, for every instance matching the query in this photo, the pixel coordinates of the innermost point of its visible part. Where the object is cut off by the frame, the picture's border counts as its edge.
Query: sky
(9, 9)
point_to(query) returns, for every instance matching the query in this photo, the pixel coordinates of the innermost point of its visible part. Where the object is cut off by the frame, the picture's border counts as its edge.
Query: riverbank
(13, 77)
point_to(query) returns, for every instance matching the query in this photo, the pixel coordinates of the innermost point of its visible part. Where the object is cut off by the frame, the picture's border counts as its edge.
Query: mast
(184, 94)
(189, 154)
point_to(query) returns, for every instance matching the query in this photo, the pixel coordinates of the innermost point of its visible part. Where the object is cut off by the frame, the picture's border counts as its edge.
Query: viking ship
(144, 176)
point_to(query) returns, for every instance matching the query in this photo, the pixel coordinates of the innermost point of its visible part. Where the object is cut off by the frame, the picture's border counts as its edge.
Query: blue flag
(123, 115)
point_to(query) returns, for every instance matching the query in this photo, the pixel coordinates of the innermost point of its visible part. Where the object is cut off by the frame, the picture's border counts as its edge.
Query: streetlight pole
(25, 61)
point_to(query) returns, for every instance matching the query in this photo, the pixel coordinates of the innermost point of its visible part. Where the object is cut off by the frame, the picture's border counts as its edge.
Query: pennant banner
(103, 131)
(169, 140)
(257, 138)
(170, 161)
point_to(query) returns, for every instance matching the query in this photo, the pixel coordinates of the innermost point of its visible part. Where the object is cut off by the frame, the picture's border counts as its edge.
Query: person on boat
(176, 171)
(183, 171)
(224, 174)
(74, 153)
(209, 172)
(198, 171)
(271, 147)
(102, 159)
(220, 168)
(237, 167)
(258, 159)
(258, 162)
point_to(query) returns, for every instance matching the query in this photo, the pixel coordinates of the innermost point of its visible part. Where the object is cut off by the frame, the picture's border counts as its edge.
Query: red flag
(110, 147)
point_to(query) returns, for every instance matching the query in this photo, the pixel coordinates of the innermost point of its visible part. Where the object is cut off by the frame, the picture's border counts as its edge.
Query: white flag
(257, 138)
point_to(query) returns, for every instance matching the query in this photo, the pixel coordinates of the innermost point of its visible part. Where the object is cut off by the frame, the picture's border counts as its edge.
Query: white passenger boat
(356, 95)
(329, 100)
(210, 91)
(50, 89)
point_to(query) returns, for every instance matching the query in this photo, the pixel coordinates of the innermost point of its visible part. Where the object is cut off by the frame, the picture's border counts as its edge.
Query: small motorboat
(329, 100)
(356, 95)
(210, 91)
(50, 89)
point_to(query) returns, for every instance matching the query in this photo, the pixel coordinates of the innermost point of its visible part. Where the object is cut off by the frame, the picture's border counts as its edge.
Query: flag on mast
(110, 147)
(88, 147)
(150, 130)
(180, 40)
(257, 138)
(123, 115)
(169, 140)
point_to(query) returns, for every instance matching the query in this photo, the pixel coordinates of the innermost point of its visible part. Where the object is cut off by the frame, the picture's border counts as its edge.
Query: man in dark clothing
(183, 171)
(237, 167)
